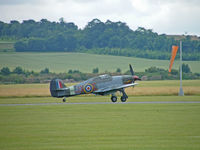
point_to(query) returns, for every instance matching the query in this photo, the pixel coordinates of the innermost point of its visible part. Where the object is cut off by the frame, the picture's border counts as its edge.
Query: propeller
(131, 70)
(132, 73)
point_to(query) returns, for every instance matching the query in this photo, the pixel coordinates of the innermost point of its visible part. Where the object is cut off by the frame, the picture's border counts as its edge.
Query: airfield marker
(181, 93)
(173, 55)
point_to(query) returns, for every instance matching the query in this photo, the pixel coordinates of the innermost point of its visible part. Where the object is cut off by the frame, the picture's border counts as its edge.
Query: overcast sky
(163, 16)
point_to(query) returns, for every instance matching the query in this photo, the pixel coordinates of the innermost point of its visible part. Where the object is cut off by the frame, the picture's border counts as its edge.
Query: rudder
(56, 85)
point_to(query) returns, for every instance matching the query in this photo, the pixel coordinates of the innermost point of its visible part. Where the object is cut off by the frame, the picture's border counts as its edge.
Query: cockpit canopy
(102, 78)
(105, 76)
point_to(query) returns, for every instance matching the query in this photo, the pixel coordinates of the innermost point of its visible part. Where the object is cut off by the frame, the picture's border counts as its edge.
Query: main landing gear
(123, 97)
(64, 99)
(114, 98)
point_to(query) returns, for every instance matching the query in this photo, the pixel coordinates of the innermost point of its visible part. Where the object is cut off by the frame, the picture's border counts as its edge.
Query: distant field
(101, 127)
(6, 46)
(62, 62)
(166, 87)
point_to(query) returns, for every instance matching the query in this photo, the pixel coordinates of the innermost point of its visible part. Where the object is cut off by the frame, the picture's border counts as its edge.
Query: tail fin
(56, 85)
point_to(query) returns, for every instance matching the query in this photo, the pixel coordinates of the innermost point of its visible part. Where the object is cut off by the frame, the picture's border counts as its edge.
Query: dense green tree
(174, 72)
(21, 46)
(186, 68)
(118, 70)
(95, 70)
(18, 70)
(5, 71)
(113, 38)
(45, 71)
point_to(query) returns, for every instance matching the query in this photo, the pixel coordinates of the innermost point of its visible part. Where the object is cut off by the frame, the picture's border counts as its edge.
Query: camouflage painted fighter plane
(100, 85)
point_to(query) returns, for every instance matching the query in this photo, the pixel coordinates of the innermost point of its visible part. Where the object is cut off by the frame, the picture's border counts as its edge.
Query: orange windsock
(174, 51)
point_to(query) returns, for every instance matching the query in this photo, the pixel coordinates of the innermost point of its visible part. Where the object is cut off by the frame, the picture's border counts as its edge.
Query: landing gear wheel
(114, 99)
(123, 99)
(124, 96)
(64, 99)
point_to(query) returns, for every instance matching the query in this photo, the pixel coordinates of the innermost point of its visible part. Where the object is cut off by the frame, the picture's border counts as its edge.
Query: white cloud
(169, 16)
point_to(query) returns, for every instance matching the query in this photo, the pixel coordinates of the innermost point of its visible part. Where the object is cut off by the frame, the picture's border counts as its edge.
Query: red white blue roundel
(88, 88)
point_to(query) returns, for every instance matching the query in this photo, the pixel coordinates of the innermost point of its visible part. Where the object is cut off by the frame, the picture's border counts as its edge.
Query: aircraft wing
(114, 88)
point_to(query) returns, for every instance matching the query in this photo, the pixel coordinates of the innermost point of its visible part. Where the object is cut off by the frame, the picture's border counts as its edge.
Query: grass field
(62, 62)
(163, 87)
(101, 127)
(6, 46)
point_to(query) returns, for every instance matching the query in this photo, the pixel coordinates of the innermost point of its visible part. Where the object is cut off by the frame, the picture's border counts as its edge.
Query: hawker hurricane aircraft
(100, 85)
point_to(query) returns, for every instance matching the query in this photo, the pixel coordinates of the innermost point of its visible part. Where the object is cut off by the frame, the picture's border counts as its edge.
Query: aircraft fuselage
(93, 85)
(100, 85)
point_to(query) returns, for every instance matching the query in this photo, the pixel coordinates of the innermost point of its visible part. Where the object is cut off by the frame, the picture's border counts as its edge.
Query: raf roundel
(88, 88)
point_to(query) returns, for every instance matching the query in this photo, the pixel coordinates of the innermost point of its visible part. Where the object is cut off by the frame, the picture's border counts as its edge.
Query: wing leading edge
(114, 88)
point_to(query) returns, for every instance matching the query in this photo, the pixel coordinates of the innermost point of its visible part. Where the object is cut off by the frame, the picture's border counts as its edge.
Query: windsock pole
(181, 93)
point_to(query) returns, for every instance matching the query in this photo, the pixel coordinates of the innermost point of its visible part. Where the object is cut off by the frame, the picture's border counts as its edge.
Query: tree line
(113, 38)
(19, 75)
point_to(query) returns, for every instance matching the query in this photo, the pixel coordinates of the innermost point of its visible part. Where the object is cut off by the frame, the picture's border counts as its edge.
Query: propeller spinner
(132, 73)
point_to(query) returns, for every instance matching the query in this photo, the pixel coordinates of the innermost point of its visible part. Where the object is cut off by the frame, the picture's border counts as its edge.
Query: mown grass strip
(86, 127)
(80, 99)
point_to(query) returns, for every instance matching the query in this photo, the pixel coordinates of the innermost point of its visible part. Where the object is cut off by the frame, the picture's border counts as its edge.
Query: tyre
(123, 99)
(114, 99)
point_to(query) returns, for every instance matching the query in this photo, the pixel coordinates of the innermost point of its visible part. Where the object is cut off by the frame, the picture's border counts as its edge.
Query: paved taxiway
(92, 103)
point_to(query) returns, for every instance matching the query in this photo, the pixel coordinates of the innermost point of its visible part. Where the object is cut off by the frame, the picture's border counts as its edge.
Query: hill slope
(62, 62)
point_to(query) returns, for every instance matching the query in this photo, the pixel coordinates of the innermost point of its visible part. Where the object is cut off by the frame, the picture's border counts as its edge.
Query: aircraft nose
(136, 78)
(127, 79)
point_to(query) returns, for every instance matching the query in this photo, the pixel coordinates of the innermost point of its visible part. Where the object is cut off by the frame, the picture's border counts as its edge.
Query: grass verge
(85, 127)
(166, 87)
(92, 98)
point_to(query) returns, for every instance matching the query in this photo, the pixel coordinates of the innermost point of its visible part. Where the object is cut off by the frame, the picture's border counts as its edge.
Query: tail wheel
(114, 99)
(123, 99)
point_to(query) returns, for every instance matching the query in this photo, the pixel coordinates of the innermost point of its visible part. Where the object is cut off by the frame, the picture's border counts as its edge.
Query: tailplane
(57, 87)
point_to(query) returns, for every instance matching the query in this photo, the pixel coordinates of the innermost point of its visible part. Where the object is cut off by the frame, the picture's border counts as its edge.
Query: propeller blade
(131, 70)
